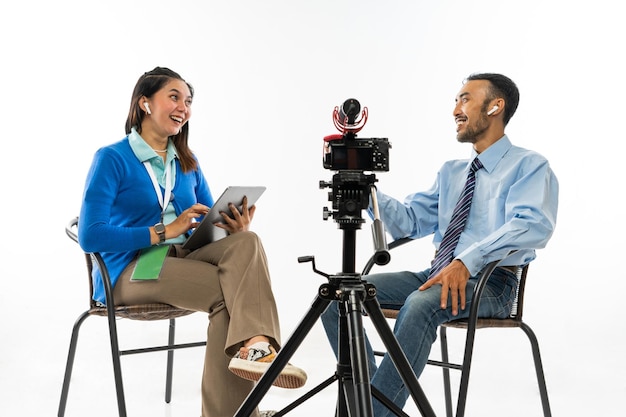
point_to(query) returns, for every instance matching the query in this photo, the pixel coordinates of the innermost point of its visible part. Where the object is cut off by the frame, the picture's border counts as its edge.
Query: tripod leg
(256, 395)
(358, 354)
(388, 403)
(346, 391)
(397, 356)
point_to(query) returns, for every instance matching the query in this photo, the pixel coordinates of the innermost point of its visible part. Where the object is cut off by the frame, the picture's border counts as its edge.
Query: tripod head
(350, 192)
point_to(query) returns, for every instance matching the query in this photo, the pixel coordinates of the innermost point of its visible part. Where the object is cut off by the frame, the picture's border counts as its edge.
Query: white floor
(503, 376)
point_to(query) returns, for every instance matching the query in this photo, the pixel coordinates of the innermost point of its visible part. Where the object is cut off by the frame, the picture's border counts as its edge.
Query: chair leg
(117, 368)
(443, 341)
(543, 390)
(70, 363)
(170, 362)
(465, 371)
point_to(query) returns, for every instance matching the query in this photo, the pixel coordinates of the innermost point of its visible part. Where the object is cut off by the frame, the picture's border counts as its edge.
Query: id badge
(150, 263)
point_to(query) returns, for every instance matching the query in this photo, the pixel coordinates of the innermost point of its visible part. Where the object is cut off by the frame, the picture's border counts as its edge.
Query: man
(512, 207)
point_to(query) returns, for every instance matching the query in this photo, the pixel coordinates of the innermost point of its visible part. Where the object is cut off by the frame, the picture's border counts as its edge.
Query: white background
(267, 76)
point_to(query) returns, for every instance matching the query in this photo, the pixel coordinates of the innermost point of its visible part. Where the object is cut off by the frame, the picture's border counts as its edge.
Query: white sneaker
(259, 358)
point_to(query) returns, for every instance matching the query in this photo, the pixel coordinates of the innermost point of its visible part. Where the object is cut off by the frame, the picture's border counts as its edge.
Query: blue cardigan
(119, 207)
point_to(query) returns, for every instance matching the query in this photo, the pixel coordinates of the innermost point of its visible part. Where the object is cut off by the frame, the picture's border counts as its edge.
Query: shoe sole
(290, 377)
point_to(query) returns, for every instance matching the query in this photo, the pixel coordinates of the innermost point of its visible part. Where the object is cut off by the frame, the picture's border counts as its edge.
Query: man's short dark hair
(501, 87)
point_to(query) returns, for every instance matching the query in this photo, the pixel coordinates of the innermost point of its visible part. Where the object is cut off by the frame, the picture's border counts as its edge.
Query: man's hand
(453, 279)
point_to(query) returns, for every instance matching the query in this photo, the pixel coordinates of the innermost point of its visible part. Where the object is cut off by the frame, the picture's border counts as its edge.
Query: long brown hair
(148, 84)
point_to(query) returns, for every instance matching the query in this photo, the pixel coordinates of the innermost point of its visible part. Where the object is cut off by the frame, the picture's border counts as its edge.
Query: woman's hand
(183, 223)
(239, 222)
(187, 219)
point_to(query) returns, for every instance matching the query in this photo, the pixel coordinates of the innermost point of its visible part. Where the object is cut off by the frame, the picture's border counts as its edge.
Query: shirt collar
(143, 151)
(493, 154)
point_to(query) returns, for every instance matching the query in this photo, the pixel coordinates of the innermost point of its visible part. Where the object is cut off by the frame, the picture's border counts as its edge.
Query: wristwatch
(159, 228)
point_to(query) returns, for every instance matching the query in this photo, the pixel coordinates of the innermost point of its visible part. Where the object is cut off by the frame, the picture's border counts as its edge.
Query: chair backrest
(518, 304)
(71, 231)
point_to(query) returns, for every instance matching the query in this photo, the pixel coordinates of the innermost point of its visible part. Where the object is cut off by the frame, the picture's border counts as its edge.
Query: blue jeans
(417, 323)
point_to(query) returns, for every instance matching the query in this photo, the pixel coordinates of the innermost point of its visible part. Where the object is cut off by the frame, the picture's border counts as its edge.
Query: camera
(354, 154)
(350, 158)
(345, 151)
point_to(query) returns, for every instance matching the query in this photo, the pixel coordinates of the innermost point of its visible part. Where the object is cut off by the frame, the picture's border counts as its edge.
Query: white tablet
(206, 232)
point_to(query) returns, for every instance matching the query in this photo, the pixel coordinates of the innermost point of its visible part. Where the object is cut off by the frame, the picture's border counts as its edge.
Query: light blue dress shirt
(514, 207)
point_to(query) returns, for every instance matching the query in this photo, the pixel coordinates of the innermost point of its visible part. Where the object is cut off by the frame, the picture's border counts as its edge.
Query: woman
(142, 196)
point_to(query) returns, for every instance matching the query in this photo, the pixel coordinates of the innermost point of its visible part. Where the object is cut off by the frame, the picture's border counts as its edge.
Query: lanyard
(164, 200)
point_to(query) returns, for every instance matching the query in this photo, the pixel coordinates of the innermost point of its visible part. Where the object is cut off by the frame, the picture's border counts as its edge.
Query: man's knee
(423, 303)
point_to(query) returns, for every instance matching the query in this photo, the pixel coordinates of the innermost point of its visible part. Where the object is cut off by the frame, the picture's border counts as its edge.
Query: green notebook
(150, 262)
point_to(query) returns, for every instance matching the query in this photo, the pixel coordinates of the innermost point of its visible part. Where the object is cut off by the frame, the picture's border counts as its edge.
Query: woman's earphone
(489, 113)
(147, 106)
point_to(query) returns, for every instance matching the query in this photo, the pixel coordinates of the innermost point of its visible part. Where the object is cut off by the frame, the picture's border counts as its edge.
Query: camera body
(346, 152)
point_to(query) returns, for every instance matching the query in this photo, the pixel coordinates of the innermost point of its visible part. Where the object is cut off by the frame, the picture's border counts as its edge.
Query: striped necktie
(457, 223)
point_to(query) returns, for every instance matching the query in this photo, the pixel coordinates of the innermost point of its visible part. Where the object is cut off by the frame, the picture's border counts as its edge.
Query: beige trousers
(228, 279)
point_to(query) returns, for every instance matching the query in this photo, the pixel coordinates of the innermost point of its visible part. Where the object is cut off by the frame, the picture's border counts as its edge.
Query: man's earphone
(489, 113)
(145, 104)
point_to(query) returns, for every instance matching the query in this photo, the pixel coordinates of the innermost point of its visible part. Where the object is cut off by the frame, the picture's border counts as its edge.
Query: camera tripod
(353, 295)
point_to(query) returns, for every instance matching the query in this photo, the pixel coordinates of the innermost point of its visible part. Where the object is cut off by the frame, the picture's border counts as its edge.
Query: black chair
(144, 312)
(471, 324)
